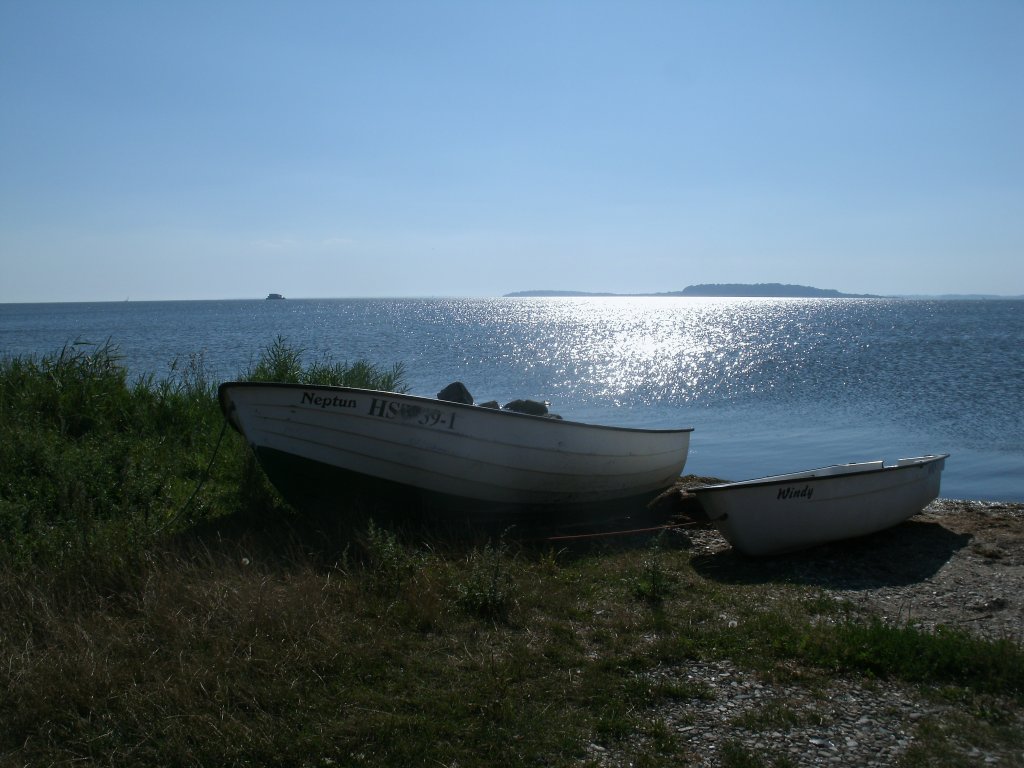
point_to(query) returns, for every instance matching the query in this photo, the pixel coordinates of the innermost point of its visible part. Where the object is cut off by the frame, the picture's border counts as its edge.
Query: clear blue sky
(165, 150)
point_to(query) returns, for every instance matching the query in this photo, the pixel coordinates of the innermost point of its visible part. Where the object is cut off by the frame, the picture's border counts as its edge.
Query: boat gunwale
(808, 476)
(434, 402)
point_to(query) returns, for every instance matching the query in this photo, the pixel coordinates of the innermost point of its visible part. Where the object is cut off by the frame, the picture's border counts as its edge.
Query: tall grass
(90, 460)
(281, 361)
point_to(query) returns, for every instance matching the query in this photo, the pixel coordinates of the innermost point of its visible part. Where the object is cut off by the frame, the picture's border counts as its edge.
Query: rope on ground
(202, 481)
(606, 534)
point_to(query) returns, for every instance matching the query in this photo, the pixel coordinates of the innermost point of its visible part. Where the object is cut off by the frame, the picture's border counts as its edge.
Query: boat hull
(785, 513)
(316, 443)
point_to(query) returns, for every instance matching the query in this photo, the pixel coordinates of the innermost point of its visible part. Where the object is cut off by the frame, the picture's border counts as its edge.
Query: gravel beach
(957, 564)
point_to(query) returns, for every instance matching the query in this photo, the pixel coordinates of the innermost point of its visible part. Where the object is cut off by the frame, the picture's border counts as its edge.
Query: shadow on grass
(907, 554)
(322, 534)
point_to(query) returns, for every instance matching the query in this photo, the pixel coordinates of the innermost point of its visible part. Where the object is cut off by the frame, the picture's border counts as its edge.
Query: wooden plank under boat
(783, 513)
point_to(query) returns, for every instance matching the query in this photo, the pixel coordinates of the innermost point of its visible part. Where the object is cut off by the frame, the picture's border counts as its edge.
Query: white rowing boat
(783, 513)
(312, 441)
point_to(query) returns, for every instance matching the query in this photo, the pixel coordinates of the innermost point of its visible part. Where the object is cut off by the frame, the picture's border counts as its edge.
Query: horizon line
(519, 295)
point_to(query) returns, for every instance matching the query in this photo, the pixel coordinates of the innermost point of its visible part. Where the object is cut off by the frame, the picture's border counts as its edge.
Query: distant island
(745, 290)
(274, 297)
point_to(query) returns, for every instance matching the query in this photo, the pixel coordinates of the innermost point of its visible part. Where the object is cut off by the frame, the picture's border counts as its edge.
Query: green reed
(90, 459)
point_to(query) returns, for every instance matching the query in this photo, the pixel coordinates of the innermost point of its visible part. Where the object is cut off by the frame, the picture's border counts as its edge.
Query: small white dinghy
(783, 513)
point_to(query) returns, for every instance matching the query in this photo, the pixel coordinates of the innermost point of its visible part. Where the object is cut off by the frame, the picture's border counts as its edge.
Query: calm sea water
(770, 385)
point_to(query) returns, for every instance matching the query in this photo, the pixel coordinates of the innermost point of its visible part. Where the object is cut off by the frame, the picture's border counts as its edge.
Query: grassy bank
(155, 609)
(94, 466)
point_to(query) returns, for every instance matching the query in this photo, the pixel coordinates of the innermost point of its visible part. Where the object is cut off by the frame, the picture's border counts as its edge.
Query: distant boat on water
(274, 296)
